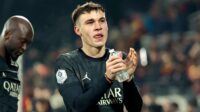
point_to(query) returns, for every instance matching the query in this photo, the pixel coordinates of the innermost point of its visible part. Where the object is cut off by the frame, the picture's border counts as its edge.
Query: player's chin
(99, 44)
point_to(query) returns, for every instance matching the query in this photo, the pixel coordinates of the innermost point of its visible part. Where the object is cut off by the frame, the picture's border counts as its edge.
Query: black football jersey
(84, 88)
(9, 87)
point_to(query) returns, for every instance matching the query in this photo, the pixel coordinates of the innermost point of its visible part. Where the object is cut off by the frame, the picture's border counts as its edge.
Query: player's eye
(102, 20)
(90, 22)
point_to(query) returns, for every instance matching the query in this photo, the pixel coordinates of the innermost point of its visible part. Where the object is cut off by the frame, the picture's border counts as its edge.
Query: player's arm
(132, 98)
(72, 90)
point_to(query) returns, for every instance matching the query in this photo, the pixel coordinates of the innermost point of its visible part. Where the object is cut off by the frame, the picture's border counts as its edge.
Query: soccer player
(86, 76)
(15, 38)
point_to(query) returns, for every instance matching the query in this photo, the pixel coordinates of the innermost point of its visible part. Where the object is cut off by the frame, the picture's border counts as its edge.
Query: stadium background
(165, 33)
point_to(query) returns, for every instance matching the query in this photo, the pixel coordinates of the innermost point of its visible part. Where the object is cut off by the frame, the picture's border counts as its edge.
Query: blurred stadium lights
(143, 57)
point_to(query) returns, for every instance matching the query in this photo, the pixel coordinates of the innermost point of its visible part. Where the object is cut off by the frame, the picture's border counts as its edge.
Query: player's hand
(113, 65)
(131, 62)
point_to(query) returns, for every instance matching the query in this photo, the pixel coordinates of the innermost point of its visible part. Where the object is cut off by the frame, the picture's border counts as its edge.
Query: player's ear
(7, 35)
(77, 30)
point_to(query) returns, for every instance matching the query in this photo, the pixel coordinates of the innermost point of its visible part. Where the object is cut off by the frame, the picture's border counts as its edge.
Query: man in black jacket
(15, 38)
(86, 76)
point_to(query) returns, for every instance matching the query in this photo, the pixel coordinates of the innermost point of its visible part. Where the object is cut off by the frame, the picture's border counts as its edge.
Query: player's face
(17, 42)
(92, 28)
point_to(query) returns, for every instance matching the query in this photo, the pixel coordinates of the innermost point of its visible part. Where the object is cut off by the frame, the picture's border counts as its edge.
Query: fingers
(114, 60)
(113, 65)
(133, 53)
(116, 63)
(132, 58)
(128, 56)
(112, 70)
(117, 67)
(131, 61)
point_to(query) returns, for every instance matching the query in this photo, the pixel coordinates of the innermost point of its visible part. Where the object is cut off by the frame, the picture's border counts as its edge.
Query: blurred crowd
(167, 39)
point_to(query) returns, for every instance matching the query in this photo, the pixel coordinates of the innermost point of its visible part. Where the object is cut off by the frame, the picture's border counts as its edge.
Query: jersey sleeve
(132, 98)
(71, 89)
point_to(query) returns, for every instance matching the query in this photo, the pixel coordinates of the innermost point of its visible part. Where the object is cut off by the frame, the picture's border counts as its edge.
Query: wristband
(108, 79)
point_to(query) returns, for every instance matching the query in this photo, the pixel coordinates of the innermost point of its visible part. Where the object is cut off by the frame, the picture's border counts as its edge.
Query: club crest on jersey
(61, 76)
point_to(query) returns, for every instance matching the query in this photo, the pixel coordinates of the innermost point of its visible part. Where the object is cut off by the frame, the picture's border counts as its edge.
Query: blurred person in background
(174, 107)
(41, 101)
(16, 37)
(86, 76)
(150, 104)
(192, 105)
(42, 105)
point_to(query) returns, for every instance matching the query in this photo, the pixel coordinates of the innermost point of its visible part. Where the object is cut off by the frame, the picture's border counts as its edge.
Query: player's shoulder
(67, 60)
(67, 56)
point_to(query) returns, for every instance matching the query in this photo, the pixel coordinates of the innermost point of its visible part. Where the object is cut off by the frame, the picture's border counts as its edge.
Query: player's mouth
(98, 36)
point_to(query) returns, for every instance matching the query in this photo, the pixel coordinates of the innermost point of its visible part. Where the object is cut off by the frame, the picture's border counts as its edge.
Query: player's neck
(94, 52)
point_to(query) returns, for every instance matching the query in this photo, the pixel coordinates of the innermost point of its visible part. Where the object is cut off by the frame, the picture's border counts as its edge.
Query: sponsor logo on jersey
(61, 76)
(113, 96)
(12, 88)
